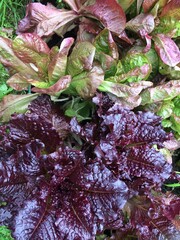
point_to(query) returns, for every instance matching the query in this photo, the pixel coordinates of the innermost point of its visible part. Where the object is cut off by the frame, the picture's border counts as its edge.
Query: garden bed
(90, 121)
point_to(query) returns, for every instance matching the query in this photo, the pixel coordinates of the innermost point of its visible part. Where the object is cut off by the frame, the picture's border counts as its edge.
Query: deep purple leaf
(147, 218)
(60, 195)
(44, 121)
(35, 221)
(124, 141)
(57, 192)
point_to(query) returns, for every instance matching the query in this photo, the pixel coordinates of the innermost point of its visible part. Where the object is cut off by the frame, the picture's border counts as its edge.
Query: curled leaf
(109, 13)
(142, 21)
(45, 20)
(167, 50)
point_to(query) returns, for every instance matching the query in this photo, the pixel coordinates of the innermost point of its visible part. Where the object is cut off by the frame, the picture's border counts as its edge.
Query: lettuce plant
(55, 187)
(84, 151)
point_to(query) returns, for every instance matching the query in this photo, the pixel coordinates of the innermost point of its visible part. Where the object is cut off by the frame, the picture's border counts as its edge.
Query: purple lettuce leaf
(43, 121)
(12, 62)
(46, 20)
(88, 29)
(18, 82)
(124, 142)
(148, 220)
(31, 62)
(55, 195)
(148, 4)
(143, 24)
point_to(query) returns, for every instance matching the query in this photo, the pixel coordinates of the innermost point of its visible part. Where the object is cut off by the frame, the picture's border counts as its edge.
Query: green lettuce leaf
(132, 68)
(165, 91)
(176, 109)
(86, 83)
(170, 72)
(168, 26)
(82, 110)
(58, 64)
(175, 124)
(166, 109)
(14, 103)
(105, 43)
(151, 56)
(106, 52)
(55, 89)
(126, 95)
(81, 58)
(125, 4)
(4, 90)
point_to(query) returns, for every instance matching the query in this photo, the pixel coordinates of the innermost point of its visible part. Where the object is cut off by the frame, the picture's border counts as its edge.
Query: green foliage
(82, 110)
(5, 233)
(11, 12)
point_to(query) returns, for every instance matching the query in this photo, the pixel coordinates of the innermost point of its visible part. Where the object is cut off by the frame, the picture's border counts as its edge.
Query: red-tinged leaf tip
(56, 88)
(109, 13)
(148, 4)
(33, 42)
(171, 9)
(167, 50)
(66, 45)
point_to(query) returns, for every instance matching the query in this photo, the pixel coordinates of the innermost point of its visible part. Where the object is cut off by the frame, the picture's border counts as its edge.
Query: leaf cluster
(83, 152)
(56, 187)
